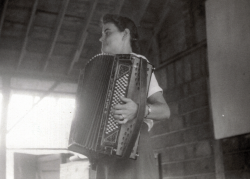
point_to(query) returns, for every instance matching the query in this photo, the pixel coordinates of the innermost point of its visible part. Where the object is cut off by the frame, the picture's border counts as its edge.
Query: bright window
(35, 122)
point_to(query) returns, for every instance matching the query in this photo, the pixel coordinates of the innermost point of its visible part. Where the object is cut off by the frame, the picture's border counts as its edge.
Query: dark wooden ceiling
(53, 39)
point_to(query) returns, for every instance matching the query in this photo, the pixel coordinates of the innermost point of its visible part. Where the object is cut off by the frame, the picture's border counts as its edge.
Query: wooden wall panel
(228, 37)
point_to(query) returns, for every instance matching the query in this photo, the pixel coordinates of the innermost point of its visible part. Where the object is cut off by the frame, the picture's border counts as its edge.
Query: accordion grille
(91, 100)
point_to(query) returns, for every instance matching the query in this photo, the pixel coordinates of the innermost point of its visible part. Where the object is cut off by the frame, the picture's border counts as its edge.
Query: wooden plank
(49, 166)
(47, 20)
(3, 130)
(50, 6)
(32, 17)
(17, 14)
(83, 37)
(78, 9)
(48, 158)
(55, 93)
(3, 15)
(21, 3)
(75, 170)
(13, 29)
(56, 32)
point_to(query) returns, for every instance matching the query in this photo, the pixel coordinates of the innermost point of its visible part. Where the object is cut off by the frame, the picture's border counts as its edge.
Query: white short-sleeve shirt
(153, 86)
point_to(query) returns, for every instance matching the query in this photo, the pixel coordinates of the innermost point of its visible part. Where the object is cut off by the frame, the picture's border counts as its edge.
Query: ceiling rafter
(83, 37)
(77, 52)
(3, 15)
(142, 11)
(31, 20)
(158, 26)
(119, 6)
(56, 33)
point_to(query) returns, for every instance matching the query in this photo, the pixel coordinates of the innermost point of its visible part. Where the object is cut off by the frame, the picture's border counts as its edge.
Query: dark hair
(122, 23)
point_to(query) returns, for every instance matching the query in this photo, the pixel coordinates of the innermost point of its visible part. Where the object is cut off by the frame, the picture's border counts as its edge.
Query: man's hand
(125, 112)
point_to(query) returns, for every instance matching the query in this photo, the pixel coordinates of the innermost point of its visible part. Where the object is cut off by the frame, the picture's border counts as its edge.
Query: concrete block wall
(186, 141)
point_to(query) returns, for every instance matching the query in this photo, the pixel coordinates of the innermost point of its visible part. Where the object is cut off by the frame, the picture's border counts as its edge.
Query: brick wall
(186, 141)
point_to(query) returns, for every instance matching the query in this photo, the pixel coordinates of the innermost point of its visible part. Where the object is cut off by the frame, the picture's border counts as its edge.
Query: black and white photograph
(124, 89)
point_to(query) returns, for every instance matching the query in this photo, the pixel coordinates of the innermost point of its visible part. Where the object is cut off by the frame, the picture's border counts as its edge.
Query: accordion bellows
(104, 79)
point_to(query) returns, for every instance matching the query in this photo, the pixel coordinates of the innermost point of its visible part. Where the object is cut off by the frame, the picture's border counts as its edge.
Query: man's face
(112, 39)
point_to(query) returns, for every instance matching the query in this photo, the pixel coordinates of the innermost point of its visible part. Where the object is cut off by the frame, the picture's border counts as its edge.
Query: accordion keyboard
(120, 89)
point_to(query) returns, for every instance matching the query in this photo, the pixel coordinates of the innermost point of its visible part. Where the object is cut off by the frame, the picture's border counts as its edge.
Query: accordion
(105, 78)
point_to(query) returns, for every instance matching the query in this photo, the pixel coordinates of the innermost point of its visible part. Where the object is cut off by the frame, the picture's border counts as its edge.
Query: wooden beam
(56, 33)
(31, 20)
(119, 6)
(3, 129)
(3, 15)
(182, 54)
(83, 37)
(143, 8)
(85, 33)
(158, 26)
(28, 91)
(38, 75)
(78, 52)
(218, 160)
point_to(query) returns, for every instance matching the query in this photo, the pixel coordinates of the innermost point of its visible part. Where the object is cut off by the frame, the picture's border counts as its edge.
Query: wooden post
(218, 159)
(5, 103)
